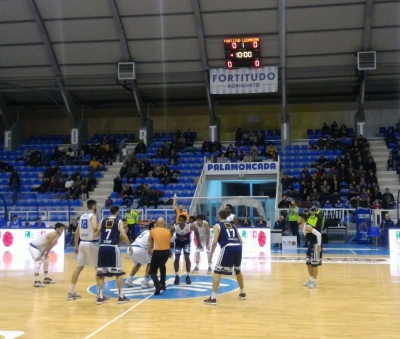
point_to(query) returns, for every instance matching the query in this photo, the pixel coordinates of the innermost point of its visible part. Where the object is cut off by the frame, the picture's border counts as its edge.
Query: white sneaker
(73, 296)
(312, 285)
(129, 283)
(308, 283)
(209, 271)
(147, 285)
(195, 270)
(38, 284)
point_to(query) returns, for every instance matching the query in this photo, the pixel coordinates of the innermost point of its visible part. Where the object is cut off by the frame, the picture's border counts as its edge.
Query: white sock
(46, 275)
(242, 290)
(101, 294)
(72, 289)
(209, 265)
(36, 279)
(312, 279)
(121, 293)
(197, 265)
(130, 278)
(213, 295)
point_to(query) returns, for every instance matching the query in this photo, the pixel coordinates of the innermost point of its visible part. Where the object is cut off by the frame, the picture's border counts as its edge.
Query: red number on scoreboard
(229, 64)
(257, 63)
(234, 45)
(255, 44)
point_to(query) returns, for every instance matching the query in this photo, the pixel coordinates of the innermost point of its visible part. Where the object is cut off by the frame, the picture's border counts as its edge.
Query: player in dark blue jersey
(230, 258)
(112, 233)
(313, 240)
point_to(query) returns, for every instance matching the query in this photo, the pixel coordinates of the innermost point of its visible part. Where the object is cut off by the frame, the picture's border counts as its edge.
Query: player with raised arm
(88, 249)
(179, 210)
(313, 240)
(109, 264)
(141, 257)
(40, 249)
(230, 258)
(205, 241)
(182, 244)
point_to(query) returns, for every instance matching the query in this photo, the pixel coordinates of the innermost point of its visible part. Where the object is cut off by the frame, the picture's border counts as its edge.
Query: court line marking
(353, 252)
(120, 316)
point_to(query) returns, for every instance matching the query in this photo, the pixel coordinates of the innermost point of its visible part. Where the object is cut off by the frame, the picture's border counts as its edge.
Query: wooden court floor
(351, 301)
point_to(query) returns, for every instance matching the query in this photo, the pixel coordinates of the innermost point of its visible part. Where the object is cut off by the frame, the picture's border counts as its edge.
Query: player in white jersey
(88, 250)
(231, 217)
(203, 228)
(40, 249)
(141, 257)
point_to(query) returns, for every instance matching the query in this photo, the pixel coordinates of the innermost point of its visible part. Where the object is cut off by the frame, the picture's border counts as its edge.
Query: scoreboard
(242, 52)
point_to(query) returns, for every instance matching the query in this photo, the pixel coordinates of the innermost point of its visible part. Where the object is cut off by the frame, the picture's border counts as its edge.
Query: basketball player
(313, 240)
(141, 257)
(179, 210)
(203, 228)
(182, 244)
(109, 261)
(230, 216)
(40, 249)
(88, 250)
(230, 258)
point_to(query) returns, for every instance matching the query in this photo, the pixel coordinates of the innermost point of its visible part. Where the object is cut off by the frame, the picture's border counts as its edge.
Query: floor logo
(10, 334)
(200, 287)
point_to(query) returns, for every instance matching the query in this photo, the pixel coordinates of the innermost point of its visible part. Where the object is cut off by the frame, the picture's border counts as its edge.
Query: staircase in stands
(105, 184)
(386, 179)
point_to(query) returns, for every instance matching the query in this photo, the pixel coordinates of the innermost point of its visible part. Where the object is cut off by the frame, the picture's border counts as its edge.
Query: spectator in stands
(261, 222)
(396, 161)
(271, 151)
(305, 171)
(343, 133)
(327, 204)
(321, 143)
(68, 182)
(252, 139)
(334, 127)
(109, 202)
(248, 157)
(246, 222)
(27, 154)
(14, 178)
(212, 159)
(385, 225)
(216, 146)
(70, 156)
(4, 167)
(315, 196)
(39, 224)
(260, 139)
(71, 231)
(91, 181)
(388, 203)
(390, 164)
(95, 165)
(332, 171)
(15, 222)
(376, 205)
(245, 136)
(338, 203)
(239, 136)
(165, 176)
(390, 137)
(387, 194)
(370, 165)
(280, 224)
(152, 199)
(15, 189)
(121, 147)
(325, 195)
(284, 203)
(189, 137)
(27, 224)
(354, 189)
(376, 195)
(206, 146)
(141, 147)
(286, 183)
(307, 203)
(325, 128)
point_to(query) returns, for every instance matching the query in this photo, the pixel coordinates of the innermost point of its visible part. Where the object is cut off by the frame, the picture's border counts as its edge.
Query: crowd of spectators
(351, 175)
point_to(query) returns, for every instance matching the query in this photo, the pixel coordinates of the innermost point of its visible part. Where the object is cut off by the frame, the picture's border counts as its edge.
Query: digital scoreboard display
(242, 52)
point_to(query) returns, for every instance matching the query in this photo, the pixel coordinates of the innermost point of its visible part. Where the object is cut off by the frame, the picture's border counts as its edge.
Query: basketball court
(356, 298)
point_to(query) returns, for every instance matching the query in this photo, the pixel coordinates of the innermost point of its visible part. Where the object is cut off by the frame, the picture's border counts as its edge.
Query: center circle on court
(200, 287)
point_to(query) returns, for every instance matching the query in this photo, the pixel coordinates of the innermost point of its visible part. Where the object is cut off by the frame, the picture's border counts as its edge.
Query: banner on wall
(269, 167)
(244, 80)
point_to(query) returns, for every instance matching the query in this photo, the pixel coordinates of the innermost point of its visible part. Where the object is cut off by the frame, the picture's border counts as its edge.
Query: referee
(159, 250)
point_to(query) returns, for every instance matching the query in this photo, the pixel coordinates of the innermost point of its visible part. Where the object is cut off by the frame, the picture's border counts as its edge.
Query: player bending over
(205, 241)
(182, 243)
(141, 257)
(313, 240)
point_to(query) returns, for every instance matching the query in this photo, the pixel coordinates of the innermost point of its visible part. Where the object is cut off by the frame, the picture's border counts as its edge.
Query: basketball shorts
(182, 246)
(88, 253)
(230, 258)
(313, 257)
(204, 245)
(35, 252)
(140, 255)
(109, 261)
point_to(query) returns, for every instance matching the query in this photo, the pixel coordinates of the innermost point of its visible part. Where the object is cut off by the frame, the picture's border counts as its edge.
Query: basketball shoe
(195, 270)
(100, 301)
(146, 285)
(176, 281)
(307, 283)
(211, 302)
(242, 296)
(129, 283)
(313, 284)
(209, 271)
(38, 284)
(48, 281)
(123, 300)
(73, 296)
